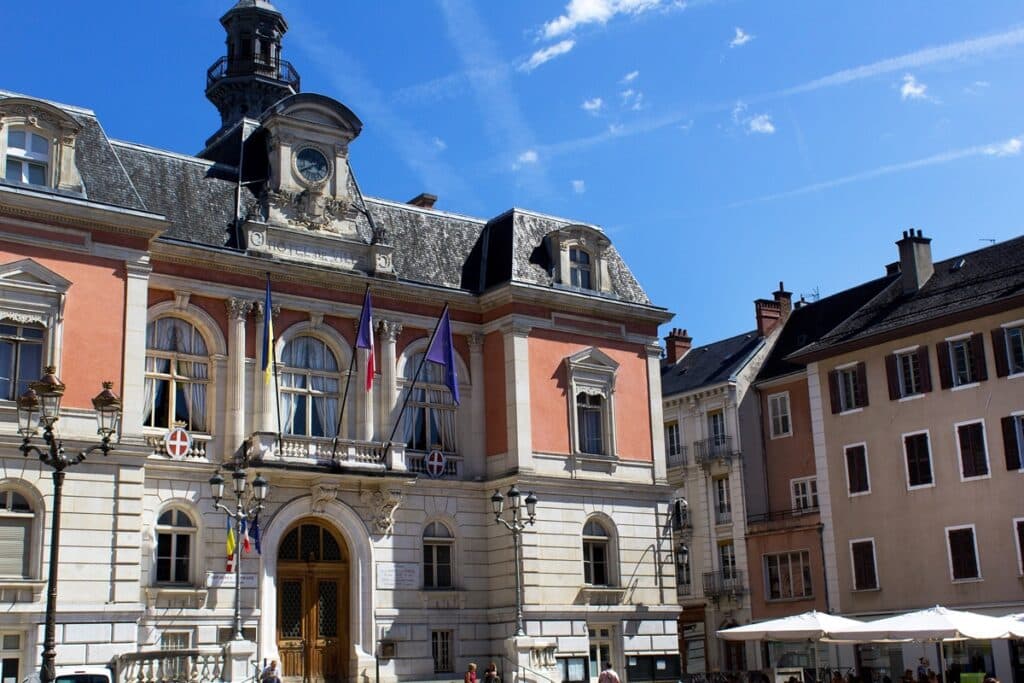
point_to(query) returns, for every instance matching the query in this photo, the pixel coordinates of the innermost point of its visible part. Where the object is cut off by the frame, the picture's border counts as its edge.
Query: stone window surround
(867, 468)
(802, 555)
(874, 564)
(906, 463)
(417, 347)
(1018, 522)
(1006, 327)
(949, 553)
(776, 399)
(811, 495)
(959, 449)
(611, 550)
(452, 542)
(196, 570)
(588, 239)
(592, 372)
(35, 540)
(58, 127)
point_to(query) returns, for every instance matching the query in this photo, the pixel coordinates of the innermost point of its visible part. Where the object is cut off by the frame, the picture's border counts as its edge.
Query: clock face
(312, 165)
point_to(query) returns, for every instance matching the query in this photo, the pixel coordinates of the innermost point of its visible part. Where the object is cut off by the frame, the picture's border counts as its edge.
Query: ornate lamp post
(40, 405)
(246, 508)
(516, 523)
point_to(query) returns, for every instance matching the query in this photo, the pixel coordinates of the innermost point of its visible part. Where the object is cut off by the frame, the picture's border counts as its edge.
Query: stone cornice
(72, 212)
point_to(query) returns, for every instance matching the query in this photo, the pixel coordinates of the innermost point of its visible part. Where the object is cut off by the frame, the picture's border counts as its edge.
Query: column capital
(258, 307)
(238, 309)
(476, 342)
(654, 349)
(390, 329)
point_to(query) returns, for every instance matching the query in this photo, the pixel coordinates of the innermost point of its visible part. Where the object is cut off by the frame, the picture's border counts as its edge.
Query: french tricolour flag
(364, 339)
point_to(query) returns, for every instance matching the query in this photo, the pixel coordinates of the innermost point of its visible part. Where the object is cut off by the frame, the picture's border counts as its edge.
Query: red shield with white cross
(435, 463)
(177, 443)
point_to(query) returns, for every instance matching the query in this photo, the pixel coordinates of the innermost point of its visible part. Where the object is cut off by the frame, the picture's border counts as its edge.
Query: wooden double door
(312, 610)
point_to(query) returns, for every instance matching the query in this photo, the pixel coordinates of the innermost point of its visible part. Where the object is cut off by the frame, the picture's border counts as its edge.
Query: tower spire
(252, 76)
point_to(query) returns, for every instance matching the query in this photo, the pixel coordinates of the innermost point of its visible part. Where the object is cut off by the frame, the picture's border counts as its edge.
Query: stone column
(363, 398)
(266, 393)
(477, 416)
(234, 418)
(657, 419)
(517, 397)
(135, 321)
(388, 394)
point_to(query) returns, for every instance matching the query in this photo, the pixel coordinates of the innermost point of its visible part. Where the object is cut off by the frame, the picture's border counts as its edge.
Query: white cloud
(440, 144)
(630, 77)
(741, 38)
(593, 105)
(912, 89)
(527, 157)
(615, 128)
(547, 54)
(1008, 148)
(976, 87)
(578, 186)
(582, 12)
(633, 99)
(762, 123)
(686, 126)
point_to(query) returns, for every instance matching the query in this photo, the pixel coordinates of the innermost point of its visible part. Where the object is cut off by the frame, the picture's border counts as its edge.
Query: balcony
(348, 454)
(722, 584)
(784, 519)
(200, 665)
(679, 458)
(723, 516)
(715, 449)
(277, 69)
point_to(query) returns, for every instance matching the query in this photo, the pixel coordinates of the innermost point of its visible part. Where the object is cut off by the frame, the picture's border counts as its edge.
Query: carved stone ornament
(238, 309)
(310, 208)
(390, 329)
(323, 494)
(383, 503)
(24, 317)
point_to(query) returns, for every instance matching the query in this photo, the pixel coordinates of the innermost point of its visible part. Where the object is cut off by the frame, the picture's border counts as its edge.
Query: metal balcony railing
(723, 516)
(714, 448)
(679, 457)
(781, 515)
(724, 583)
(278, 69)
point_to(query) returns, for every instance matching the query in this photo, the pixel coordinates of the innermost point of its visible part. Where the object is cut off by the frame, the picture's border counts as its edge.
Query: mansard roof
(710, 364)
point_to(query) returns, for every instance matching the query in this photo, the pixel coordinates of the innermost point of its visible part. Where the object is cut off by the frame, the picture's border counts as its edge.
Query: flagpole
(416, 377)
(348, 380)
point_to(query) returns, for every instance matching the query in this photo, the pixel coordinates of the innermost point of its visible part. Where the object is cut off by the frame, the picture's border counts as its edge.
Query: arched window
(177, 374)
(430, 415)
(309, 388)
(310, 543)
(437, 556)
(16, 538)
(175, 540)
(596, 551)
(21, 358)
(28, 158)
(580, 273)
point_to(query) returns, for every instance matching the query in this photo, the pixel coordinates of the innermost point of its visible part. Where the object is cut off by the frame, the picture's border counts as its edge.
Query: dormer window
(28, 158)
(579, 268)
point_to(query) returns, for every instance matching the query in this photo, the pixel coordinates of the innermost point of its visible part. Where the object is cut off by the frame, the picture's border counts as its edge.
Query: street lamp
(515, 523)
(40, 405)
(246, 508)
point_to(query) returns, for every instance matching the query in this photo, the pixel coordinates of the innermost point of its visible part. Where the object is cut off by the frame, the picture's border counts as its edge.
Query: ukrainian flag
(268, 335)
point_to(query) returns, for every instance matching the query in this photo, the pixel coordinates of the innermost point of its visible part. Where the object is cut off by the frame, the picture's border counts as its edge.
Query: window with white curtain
(177, 375)
(430, 417)
(309, 388)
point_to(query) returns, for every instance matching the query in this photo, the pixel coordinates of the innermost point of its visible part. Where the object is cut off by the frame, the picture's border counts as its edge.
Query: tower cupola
(252, 76)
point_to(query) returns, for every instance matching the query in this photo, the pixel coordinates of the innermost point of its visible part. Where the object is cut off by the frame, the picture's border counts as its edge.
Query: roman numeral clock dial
(312, 165)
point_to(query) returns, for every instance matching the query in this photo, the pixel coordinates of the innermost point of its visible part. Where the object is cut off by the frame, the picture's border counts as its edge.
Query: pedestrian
(470, 676)
(491, 674)
(271, 674)
(608, 675)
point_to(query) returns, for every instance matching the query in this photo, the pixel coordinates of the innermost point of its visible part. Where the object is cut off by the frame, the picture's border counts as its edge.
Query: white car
(77, 674)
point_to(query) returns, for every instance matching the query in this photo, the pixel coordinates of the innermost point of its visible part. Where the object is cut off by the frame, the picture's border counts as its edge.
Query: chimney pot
(424, 200)
(915, 260)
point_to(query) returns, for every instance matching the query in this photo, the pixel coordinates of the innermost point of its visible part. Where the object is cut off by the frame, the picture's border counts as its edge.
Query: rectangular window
(865, 576)
(805, 493)
(960, 362)
(919, 461)
(857, 479)
(673, 447)
(723, 505)
(579, 268)
(727, 561)
(10, 658)
(973, 454)
(1013, 441)
(778, 411)
(1015, 349)
(716, 427)
(1018, 535)
(437, 565)
(176, 640)
(908, 369)
(441, 649)
(848, 388)
(21, 358)
(788, 575)
(963, 553)
(590, 422)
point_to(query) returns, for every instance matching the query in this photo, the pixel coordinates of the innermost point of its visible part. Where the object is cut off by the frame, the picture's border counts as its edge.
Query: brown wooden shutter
(892, 374)
(833, 390)
(1010, 446)
(856, 469)
(945, 374)
(999, 351)
(862, 385)
(979, 371)
(926, 370)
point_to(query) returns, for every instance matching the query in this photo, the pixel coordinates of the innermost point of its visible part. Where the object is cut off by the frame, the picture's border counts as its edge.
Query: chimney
(424, 200)
(769, 314)
(677, 343)
(785, 301)
(915, 260)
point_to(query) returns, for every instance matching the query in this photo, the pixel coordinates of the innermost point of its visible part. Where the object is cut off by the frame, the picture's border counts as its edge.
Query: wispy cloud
(582, 12)
(977, 87)
(632, 99)
(546, 54)
(578, 186)
(440, 144)
(912, 89)
(526, 158)
(762, 123)
(593, 105)
(1009, 147)
(741, 38)
(630, 77)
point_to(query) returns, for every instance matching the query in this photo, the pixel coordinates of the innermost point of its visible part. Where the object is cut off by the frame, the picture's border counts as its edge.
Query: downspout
(824, 570)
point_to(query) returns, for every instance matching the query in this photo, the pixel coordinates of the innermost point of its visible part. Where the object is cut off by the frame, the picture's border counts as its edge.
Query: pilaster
(517, 396)
(657, 418)
(234, 418)
(478, 426)
(135, 321)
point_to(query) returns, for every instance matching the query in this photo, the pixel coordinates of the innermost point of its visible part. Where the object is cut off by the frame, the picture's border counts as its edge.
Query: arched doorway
(312, 604)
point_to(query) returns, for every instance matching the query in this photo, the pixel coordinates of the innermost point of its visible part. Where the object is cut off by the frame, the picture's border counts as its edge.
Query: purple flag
(442, 352)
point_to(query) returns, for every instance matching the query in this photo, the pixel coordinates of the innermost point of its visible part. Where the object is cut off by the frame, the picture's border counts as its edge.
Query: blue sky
(724, 145)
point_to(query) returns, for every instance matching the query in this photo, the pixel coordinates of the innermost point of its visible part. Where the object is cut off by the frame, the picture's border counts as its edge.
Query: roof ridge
(420, 209)
(166, 153)
(67, 107)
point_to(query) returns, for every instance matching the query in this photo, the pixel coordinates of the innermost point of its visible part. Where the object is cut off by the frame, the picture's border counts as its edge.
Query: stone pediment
(321, 248)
